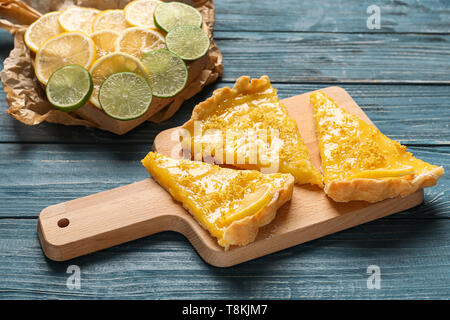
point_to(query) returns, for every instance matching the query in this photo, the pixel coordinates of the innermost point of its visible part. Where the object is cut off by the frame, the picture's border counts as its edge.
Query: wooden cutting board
(74, 228)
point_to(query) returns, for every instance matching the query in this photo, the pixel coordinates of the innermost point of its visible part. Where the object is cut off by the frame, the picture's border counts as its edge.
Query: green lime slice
(187, 42)
(125, 96)
(69, 88)
(168, 73)
(173, 14)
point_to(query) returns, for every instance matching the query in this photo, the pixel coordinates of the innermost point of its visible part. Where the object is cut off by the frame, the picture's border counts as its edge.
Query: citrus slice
(69, 87)
(113, 20)
(125, 96)
(250, 204)
(167, 72)
(105, 41)
(383, 173)
(173, 14)
(188, 42)
(113, 63)
(42, 29)
(78, 19)
(62, 50)
(138, 41)
(139, 13)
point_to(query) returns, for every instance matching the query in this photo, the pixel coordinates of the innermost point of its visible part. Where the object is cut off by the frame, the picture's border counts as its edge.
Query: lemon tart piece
(231, 204)
(249, 128)
(361, 163)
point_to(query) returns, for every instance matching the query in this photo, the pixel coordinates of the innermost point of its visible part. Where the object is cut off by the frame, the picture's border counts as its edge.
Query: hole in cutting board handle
(64, 222)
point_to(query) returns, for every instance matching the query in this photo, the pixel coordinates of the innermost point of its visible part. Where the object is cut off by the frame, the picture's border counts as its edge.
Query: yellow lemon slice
(383, 173)
(138, 41)
(113, 20)
(105, 42)
(113, 63)
(42, 29)
(62, 50)
(251, 204)
(78, 19)
(139, 13)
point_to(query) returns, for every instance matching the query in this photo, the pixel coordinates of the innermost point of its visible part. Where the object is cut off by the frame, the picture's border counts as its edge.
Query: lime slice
(173, 14)
(125, 96)
(69, 87)
(188, 42)
(167, 72)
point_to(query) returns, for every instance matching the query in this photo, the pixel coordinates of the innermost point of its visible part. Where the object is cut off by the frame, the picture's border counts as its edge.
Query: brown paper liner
(26, 97)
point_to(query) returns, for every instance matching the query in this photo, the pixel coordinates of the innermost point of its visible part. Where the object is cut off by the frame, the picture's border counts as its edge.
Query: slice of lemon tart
(231, 204)
(249, 128)
(359, 162)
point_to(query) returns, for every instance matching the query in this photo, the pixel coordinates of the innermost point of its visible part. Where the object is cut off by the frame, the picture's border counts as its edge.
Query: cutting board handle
(74, 228)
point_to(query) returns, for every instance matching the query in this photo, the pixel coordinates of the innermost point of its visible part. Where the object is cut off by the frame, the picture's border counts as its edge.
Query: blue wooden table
(399, 74)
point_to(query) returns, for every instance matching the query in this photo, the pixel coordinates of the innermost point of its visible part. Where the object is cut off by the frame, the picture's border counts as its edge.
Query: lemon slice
(105, 41)
(383, 173)
(139, 13)
(113, 63)
(62, 50)
(78, 19)
(138, 41)
(250, 205)
(42, 29)
(113, 20)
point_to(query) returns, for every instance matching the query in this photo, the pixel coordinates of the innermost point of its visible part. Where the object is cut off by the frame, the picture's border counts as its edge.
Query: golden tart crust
(359, 162)
(231, 204)
(249, 105)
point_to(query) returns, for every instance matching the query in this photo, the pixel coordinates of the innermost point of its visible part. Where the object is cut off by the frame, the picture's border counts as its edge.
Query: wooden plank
(413, 256)
(49, 174)
(43, 175)
(336, 58)
(406, 16)
(429, 16)
(400, 111)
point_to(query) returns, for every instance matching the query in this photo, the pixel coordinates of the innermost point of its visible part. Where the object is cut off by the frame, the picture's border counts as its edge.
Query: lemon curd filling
(256, 132)
(350, 148)
(215, 196)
